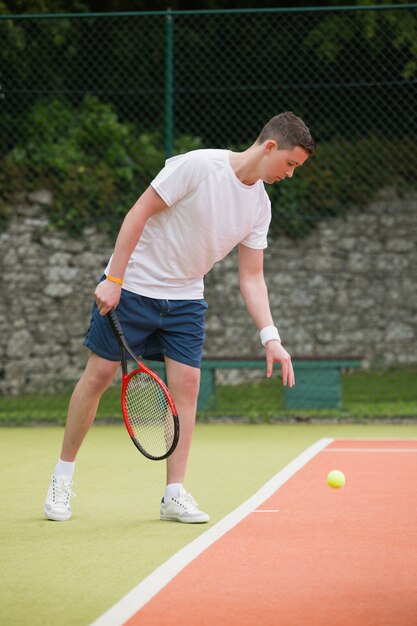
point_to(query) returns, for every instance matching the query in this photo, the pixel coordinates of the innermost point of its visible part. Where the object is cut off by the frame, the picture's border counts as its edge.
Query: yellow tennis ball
(336, 479)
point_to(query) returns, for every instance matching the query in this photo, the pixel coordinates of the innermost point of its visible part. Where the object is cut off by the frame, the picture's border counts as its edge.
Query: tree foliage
(95, 168)
(88, 114)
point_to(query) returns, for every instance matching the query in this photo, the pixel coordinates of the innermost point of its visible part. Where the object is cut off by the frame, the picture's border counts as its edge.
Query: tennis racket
(148, 408)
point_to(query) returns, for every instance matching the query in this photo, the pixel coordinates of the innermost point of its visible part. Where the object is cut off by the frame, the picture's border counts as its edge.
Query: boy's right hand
(107, 296)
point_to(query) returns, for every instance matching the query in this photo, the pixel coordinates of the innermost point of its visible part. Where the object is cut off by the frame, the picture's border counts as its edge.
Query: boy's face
(279, 164)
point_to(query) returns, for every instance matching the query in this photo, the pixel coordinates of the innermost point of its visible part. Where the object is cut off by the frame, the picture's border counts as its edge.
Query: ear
(270, 145)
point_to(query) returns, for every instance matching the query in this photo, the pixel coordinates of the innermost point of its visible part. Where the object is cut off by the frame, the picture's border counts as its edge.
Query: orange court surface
(299, 553)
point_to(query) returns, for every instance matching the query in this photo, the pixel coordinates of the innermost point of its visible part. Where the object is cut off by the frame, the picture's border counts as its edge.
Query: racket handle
(114, 322)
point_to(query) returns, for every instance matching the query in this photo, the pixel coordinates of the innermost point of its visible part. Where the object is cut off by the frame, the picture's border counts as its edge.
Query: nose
(289, 173)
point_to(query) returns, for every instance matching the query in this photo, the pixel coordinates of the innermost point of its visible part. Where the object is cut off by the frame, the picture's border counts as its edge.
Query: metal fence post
(169, 83)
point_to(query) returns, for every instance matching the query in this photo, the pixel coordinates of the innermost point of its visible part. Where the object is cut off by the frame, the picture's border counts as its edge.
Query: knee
(99, 374)
(186, 384)
(191, 386)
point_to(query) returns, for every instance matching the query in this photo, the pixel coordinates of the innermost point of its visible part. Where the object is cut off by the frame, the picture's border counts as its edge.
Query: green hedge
(97, 165)
(340, 176)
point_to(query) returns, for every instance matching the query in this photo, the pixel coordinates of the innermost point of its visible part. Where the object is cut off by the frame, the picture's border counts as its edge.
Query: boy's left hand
(276, 353)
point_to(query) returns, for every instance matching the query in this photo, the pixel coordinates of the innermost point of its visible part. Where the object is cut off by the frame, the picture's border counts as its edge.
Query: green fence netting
(90, 105)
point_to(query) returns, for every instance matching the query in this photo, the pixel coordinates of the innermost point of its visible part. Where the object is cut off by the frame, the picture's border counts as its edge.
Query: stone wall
(348, 288)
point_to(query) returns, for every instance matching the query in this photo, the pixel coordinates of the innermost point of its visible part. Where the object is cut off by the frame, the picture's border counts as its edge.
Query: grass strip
(386, 394)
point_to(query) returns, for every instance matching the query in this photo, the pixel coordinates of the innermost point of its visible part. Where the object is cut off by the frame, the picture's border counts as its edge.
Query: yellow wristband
(113, 279)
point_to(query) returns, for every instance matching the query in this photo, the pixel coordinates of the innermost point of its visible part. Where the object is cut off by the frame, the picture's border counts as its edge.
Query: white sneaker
(182, 509)
(57, 503)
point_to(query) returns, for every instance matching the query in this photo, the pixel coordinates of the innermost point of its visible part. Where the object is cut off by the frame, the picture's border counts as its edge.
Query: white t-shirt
(209, 212)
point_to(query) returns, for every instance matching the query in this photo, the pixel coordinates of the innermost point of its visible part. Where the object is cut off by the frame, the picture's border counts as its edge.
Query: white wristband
(268, 333)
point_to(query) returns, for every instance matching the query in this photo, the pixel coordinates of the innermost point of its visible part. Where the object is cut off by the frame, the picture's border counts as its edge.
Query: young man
(199, 207)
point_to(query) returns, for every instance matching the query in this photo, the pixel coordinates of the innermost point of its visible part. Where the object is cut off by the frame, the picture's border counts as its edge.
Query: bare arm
(108, 293)
(255, 295)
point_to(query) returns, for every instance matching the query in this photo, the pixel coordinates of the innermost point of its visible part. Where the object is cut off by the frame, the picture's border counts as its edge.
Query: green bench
(318, 380)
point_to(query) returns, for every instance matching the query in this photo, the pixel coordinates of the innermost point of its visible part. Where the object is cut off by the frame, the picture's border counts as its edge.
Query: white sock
(173, 490)
(65, 468)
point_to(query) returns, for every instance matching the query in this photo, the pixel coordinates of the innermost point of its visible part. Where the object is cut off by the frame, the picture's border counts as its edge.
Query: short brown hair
(288, 131)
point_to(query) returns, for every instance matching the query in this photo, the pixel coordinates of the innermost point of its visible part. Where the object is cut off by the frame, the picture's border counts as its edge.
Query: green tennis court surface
(70, 573)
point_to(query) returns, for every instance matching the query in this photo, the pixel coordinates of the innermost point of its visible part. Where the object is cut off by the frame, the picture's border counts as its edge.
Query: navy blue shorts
(153, 329)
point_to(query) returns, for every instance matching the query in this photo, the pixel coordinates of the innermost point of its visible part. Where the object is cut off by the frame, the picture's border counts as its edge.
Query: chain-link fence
(91, 105)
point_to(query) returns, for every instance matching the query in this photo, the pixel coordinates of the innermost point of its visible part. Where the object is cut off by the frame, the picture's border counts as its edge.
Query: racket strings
(149, 414)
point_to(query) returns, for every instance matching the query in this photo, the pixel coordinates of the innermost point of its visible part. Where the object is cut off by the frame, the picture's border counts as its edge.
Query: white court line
(370, 450)
(150, 586)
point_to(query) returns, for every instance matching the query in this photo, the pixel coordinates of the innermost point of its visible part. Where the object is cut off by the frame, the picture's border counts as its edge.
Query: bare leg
(184, 384)
(82, 409)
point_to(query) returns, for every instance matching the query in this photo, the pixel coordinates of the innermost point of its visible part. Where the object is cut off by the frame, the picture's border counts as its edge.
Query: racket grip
(114, 323)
